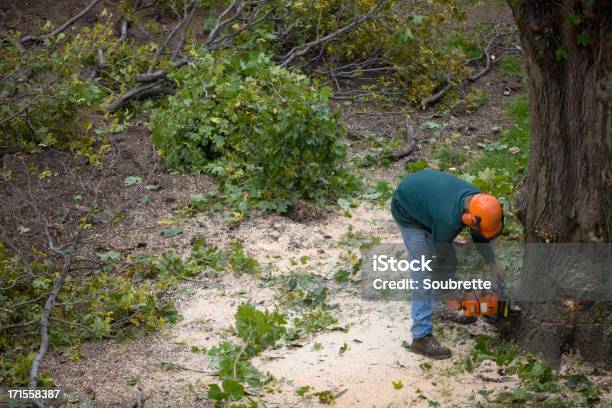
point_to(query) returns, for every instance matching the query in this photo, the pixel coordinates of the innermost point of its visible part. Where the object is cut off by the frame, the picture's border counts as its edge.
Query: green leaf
(145, 200)
(173, 231)
(561, 54)
(233, 389)
(259, 329)
(397, 385)
(344, 203)
(521, 394)
(215, 393)
(405, 34)
(109, 256)
(583, 39)
(132, 180)
(418, 19)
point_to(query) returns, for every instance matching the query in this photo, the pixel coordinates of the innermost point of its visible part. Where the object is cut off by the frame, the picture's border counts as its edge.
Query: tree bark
(567, 195)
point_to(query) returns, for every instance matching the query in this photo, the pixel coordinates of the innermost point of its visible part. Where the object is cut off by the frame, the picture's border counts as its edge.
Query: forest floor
(164, 364)
(358, 361)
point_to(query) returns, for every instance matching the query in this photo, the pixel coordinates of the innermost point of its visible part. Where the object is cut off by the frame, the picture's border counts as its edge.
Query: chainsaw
(495, 305)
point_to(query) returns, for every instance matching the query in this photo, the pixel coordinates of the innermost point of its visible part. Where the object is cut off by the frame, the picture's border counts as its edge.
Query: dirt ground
(364, 372)
(362, 375)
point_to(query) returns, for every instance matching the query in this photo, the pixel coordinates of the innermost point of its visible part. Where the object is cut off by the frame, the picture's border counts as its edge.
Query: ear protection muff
(468, 219)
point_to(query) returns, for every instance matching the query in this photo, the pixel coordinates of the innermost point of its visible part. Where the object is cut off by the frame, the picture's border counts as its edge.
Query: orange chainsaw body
(474, 304)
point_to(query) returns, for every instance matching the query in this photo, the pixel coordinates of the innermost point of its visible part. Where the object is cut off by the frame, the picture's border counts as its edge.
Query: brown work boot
(454, 316)
(428, 346)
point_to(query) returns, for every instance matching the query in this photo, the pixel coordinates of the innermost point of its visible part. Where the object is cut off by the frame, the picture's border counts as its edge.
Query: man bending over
(431, 208)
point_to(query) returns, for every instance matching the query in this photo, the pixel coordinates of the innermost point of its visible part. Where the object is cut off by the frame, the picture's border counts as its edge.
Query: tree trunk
(567, 196)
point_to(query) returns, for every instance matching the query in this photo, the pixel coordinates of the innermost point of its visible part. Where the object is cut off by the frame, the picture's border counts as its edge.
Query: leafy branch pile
(102, 305)
(257, 331)
(92, 307)
(266, 133)
(540, 386)
(303, 296)
(49, 93)
(402, 48)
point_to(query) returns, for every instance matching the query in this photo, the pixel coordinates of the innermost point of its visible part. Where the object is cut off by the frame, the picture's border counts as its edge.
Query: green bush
(267, 133)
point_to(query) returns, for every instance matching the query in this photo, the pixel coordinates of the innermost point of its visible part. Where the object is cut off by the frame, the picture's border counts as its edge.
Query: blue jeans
(418, 242)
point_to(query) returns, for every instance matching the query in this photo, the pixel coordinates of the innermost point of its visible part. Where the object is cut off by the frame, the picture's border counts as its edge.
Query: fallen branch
(44, 320)
(433, 99)
(298, 51)
(145, 91)
(125, 24)
(487, 54)
(178, 51)
(221, 24)
(101, 63)
(181, 26)
(19, 112)
(252, 21)
(37, 40)
(154, 76)
(124, 30)
(181, 367)
(410, 142)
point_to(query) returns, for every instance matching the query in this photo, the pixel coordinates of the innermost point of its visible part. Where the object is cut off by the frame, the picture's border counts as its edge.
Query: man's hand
(496, 272)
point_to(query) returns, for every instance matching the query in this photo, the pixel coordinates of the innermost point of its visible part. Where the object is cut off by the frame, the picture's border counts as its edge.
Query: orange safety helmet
(485, 212)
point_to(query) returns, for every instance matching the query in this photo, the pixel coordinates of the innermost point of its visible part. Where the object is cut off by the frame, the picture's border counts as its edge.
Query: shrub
(267, 133)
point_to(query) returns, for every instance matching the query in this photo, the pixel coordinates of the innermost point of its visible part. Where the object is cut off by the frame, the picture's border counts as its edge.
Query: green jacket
(435, 200)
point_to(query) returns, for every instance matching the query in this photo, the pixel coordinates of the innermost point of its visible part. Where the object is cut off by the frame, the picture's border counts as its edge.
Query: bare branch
(251, 21)
(430, 100)
(124, 30)
(44, 320)
(145, 91)
(487, 54)
(410, 142)
(220, 24)
(154, 76)
(433, 99)
(20, 111)
(182, 25)
(101, 63)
